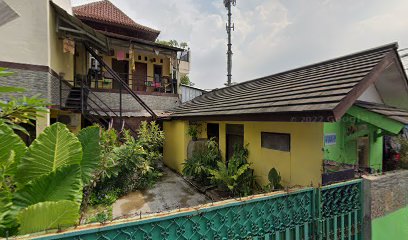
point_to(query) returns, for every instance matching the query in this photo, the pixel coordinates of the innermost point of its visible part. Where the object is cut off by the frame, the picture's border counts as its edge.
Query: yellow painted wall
(301, 166)
(76, 119)
(175, 144)
(60, 62)
(81, 62)
(42, 122)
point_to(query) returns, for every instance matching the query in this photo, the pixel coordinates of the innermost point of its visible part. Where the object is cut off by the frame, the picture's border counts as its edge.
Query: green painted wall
(342, 151)
(345, 149)
(393, 226)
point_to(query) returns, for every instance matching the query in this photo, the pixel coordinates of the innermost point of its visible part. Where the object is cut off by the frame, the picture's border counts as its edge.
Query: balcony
(153, 85)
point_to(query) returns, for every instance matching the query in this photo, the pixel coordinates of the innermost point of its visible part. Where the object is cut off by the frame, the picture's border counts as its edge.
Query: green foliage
(4, 73)
(63, 184)
(126, 166)
(236, 175)
(150, 136)
(10, 143)
(194, 131)
(50, 196)
(89, 138)
(173, 43)
(102, 215)
(106, 199)
(48, 215)
(19, 110)
(54, 148)
(185, 80)
(202, 161)
(274, 178)
(403, 142)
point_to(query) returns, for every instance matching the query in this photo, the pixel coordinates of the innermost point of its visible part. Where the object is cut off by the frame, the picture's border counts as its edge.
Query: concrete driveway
(171, 192)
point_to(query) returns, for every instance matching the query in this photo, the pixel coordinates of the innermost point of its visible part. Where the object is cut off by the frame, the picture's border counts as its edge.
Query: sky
(270, 35)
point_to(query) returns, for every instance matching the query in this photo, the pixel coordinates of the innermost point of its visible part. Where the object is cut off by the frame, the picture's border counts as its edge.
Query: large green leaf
(54, 148)
(91, 151)
(48, 215)
(7, 219)
(63, 184)
(10, 142)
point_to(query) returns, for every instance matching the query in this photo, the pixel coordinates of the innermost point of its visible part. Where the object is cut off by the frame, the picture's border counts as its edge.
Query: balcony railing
(148, 84)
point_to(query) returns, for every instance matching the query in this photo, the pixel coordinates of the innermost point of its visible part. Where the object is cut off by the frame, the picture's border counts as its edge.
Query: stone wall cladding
(383, 194)
(39, 83)
(389, 192)
(155, 102)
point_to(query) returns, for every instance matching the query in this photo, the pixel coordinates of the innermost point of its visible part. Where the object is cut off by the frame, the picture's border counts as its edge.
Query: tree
(173, 43)
(185, 80)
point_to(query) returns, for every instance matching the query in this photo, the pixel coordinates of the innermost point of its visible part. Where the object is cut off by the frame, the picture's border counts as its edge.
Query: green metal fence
(340, 211)
(332, 212)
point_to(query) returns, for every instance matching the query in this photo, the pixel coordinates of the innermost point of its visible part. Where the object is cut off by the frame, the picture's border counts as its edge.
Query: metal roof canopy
(76, 29)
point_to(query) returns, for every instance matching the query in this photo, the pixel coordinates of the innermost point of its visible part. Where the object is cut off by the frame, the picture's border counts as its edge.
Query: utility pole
(228, 4)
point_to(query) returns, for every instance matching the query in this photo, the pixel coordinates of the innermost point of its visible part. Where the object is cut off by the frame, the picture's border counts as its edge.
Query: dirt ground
(171, 192)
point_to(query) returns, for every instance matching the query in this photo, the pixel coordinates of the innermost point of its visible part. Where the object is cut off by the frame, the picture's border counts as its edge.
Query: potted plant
(194, 131)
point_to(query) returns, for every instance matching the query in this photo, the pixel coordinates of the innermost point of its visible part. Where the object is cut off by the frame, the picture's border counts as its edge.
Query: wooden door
(121, 68)
(235, 136)
(363, 152)
(139, 76)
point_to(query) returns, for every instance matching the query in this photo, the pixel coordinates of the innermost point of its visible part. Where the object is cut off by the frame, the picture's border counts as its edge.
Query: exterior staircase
(78, 96)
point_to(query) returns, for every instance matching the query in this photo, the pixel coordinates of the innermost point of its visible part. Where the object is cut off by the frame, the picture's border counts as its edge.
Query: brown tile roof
(104, 11)
(399, 115)
(325, 89)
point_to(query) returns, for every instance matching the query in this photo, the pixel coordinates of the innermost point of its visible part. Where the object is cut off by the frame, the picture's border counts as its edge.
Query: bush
(127, 166)
(202, 161)
(403, 152)
(100, 198)
(236, 176)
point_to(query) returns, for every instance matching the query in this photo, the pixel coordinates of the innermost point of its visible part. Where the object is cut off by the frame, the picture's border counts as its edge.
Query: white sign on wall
(330, 139)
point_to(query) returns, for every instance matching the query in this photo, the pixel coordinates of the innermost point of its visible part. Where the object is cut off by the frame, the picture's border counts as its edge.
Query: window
(276, 141)
(213, 131)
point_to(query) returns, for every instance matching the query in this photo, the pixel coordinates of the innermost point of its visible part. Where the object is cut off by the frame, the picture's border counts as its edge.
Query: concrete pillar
(42, 122)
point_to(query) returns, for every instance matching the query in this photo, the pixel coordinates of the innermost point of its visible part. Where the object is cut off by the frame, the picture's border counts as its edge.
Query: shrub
(128, 165)
(236, 175)
(403, 152)
(202, 161)
(194, 131)
(274, 178)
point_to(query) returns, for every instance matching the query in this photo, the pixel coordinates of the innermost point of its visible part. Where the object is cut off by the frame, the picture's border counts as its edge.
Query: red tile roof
(104, 11)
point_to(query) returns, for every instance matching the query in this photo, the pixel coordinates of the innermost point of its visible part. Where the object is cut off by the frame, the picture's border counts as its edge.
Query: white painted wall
(25, 39)
(28, 38)
(188, 93)
(371, 95)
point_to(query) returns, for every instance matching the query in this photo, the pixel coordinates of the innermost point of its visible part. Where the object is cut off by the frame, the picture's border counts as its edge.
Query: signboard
(329, 139)
(69, 46)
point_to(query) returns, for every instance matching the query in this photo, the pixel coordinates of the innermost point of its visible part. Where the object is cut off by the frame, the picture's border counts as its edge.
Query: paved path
(171, 192)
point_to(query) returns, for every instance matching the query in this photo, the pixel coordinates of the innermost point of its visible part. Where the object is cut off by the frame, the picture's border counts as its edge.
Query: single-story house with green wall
(307, 123)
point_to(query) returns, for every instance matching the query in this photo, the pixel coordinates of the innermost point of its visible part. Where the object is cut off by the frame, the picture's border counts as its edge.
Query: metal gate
(331, 212)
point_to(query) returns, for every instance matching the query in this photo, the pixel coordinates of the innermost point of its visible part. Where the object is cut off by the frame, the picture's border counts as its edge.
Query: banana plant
(47, 177)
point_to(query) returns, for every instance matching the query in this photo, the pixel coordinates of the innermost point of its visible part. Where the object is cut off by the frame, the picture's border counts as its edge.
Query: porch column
(42, 121)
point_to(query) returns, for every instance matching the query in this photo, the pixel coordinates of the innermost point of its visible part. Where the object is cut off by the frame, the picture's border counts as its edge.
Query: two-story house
(93, 63)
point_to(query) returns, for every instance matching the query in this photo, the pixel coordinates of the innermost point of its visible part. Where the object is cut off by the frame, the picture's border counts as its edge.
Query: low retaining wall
(385, 202)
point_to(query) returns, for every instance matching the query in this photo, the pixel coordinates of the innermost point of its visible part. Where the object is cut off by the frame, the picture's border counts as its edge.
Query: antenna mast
(228, 4)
